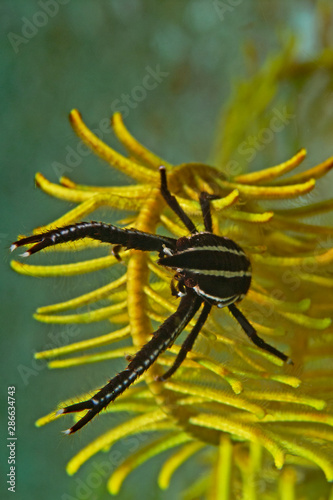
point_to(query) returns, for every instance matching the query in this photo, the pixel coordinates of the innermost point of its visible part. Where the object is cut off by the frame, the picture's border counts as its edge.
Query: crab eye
(182, 243)
(190, 282)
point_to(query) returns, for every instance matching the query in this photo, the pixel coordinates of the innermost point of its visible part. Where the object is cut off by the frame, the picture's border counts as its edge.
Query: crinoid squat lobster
(210, 270)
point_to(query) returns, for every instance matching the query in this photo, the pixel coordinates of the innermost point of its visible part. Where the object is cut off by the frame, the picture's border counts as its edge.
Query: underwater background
(96, 57)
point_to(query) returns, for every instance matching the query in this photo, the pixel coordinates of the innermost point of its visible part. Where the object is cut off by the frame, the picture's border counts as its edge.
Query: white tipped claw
(13, 247)
(60, 412)
(25, 254)
(66, 432)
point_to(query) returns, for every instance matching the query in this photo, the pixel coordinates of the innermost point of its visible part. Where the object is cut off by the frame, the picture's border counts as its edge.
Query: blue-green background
(85, 55)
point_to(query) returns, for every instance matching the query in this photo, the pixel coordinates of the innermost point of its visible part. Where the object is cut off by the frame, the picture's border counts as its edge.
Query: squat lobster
(210, 270)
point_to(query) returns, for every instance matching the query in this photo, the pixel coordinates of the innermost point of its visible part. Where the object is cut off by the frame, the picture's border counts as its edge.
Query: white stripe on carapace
(217, 248)
(214, 272)
(226, 301)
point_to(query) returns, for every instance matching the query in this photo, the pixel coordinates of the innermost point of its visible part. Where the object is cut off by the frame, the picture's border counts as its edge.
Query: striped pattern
(217, 267)
(106, 233)
(164, 337)
(210, 269)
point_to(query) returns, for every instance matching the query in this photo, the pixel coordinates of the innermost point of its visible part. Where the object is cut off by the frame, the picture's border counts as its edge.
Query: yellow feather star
(234, 404)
